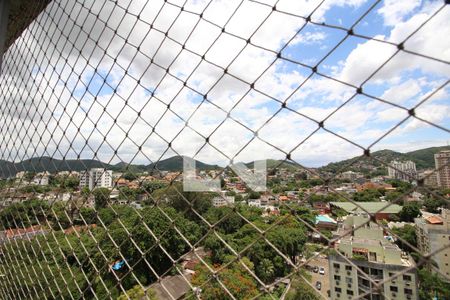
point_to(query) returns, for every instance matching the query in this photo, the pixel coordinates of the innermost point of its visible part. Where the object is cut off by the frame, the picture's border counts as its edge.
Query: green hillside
(274, 163)
(424, 159)
(175, 163)
(41, 164)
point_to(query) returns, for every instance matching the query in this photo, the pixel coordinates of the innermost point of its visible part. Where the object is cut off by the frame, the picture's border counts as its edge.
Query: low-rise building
(41, 178)
(350, 175)
(381, 210)
(433, 235)
(222, 201)
(377, 259)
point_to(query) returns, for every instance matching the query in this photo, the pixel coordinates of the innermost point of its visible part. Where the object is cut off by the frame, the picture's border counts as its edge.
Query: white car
(321, 271)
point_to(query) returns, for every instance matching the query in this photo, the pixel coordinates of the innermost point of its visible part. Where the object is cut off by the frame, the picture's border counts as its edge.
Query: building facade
(442, 162)
(433, 234)
(402, 170)
(96, 178)
(350, 175)
(377, 258)
(222, 201)
(429, 178)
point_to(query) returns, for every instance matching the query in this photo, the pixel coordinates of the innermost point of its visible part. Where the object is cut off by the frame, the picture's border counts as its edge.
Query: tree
(69, 182)
(235, 277)
(183, 201)
(254, 195)
(138, 293)
(89, 215)
(129, 176)
(369, 195)
(125, 193)
(300, 290)
(266, 270)
(408, 234)
(432, 204)
(29, 176)
(59, 216)
(409, 212)
(151, 186)
(101, 196)
(431, 285)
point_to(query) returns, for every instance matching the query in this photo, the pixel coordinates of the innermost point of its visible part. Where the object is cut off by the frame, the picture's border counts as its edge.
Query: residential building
(350, 175)
(442, 162)
(96, 178)
(222, 201)
(41, 178)
(378, 258)
(433, 234)
(429, 178)
(20, 175)
(405, 170)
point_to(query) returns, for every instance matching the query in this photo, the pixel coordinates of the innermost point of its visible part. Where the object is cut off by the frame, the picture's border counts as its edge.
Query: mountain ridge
(424, 158)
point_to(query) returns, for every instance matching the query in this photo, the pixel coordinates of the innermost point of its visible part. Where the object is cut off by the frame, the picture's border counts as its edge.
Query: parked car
(316, 269)
(318, 285)
(322, 271)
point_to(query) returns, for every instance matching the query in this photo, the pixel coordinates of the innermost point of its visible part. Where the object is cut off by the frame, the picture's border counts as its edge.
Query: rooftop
(370, 207)
(434, 220)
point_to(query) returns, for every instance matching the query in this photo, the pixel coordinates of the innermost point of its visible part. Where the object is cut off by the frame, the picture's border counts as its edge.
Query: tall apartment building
(429, 178)
(442, 162)
(96, 178)
(377, 257)
(433, 233)
(405, 170)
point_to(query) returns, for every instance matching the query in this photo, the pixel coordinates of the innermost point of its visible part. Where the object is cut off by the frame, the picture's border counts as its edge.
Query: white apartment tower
(96, 178)
(442, 162)
(378, 258)
(402, 170)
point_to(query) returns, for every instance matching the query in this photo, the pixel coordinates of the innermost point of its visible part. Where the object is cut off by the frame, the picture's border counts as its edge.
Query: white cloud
(400, 93)
(394, 11)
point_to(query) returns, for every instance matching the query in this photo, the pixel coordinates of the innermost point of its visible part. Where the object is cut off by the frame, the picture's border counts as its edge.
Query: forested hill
(424, 159)
(52, 165)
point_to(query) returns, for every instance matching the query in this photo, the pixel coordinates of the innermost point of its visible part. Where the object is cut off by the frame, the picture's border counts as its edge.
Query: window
(350, 292)
(337, 266)
(337, 277)
(376, 272)
(337, 290)
(393, 289)
(408, 292)
(391, 274)
(407, 277)
(348, 280)
(348, 268)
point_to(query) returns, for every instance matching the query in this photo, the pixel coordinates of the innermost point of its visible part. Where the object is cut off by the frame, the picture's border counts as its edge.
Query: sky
(139, 81)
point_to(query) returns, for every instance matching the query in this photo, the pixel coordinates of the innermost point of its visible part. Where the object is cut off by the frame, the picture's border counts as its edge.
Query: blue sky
(125, 91)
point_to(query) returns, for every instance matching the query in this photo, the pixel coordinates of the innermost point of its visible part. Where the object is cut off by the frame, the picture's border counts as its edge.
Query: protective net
(125, 126)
